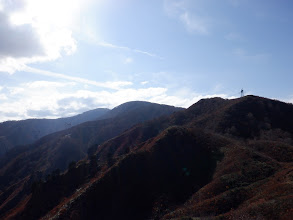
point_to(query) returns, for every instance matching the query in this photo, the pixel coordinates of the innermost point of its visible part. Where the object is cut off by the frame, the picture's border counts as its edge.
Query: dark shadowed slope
(168, 169)
(24, 132)
(56, 151)
(251, 117)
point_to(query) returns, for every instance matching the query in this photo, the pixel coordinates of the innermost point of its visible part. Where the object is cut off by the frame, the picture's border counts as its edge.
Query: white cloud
(29, 100)
(288, 99)
(36, 31)
(15, 90)
(112, 99)
(50, 100)
(3, 97)
(185, 101)
(18, 40)
(144, 82)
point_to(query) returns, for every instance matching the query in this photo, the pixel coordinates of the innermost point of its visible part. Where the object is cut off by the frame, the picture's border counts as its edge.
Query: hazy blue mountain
(24, 132)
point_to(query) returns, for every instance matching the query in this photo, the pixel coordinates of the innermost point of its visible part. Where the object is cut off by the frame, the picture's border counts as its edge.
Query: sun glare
(60, 13)
(53, 21)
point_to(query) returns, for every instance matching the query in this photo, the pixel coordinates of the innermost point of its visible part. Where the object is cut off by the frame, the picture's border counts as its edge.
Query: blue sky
(62, 57)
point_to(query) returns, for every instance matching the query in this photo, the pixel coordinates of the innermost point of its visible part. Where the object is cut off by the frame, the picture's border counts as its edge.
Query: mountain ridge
(190, 165)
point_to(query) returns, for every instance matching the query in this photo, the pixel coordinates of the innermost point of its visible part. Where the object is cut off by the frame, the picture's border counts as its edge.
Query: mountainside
(25, 164)
(218, 159)
(167, 168)
(24, 132)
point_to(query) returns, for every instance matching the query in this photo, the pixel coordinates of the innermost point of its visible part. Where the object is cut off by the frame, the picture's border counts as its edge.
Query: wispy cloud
(128, 60)
(235, 3)
(45, 84)
(113, 46)
(232, 36)
(244, 55)
(193, 21)
(109, 85)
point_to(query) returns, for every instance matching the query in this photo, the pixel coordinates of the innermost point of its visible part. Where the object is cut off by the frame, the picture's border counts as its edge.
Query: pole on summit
(242, 93)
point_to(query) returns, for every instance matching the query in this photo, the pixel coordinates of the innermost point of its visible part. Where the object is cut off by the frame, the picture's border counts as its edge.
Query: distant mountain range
(218, 159)
(24, 132)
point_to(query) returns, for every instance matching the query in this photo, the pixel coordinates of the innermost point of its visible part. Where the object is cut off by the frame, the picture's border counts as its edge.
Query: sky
(59, 58)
